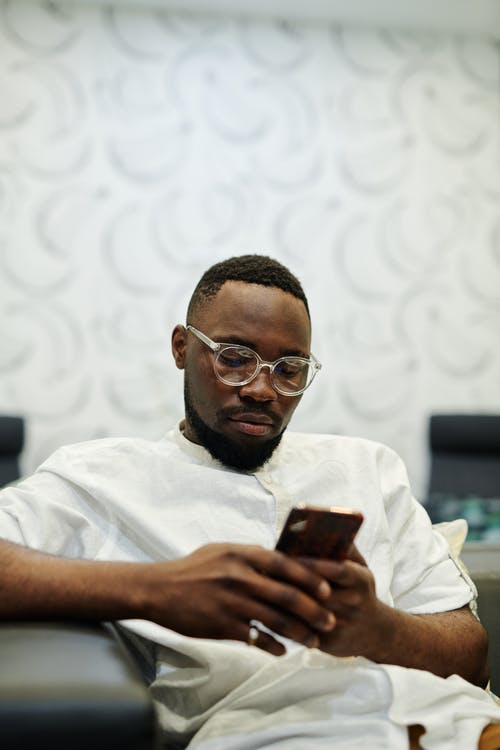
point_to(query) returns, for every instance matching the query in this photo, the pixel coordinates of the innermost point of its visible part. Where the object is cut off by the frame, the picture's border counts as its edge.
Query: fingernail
(324, 590)
(329, 623)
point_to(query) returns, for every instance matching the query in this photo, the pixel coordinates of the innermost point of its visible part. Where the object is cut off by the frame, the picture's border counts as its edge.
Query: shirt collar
(203, 456)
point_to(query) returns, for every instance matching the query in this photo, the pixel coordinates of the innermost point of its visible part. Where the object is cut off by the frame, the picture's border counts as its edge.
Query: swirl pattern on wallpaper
(44, 27)
(137, 147)
(47, 114)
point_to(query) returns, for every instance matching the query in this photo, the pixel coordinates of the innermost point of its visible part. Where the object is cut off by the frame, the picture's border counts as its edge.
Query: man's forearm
(444, 643)
(35, 585)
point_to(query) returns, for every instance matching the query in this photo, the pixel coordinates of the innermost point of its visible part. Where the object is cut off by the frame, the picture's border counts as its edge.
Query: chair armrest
(488, 603)
(70, 685)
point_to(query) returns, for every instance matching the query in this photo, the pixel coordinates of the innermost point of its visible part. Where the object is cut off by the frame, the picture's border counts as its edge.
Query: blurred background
(356, 142)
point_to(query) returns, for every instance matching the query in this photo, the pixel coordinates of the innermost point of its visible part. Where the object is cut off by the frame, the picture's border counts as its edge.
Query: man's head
(252, 269)
(251, 301)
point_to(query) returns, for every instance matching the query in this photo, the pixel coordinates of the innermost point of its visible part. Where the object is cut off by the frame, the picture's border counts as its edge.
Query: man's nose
(260, 388)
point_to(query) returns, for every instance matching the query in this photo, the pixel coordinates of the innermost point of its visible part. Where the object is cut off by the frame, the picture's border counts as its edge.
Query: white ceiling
(467, 16)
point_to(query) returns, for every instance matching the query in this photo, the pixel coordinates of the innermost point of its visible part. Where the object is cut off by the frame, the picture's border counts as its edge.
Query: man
(176, 537)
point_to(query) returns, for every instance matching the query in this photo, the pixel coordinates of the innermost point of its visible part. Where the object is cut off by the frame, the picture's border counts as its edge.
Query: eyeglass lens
(237, 365)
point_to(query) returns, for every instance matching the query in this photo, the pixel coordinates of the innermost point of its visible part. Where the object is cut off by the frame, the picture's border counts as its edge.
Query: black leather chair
(464, 479)
(488, 605)
(71, 686)
(11, 445)
(465, 454)
(465, 473)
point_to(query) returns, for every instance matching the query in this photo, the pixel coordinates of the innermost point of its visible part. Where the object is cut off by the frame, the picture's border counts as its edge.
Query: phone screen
(325, 533)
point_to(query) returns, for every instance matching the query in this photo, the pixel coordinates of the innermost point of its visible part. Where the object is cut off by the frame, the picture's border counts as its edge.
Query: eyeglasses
(239, 365)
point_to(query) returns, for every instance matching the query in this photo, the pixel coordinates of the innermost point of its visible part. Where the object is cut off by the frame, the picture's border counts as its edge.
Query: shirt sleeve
(425, 577)
(50, 514)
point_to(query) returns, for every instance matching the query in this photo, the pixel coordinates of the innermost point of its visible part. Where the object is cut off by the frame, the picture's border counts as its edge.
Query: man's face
(241, 425)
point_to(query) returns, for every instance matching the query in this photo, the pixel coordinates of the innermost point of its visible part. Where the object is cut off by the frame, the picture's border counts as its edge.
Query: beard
(225, 450)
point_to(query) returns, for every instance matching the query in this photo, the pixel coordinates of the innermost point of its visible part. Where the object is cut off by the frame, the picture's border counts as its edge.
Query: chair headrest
(465, 433)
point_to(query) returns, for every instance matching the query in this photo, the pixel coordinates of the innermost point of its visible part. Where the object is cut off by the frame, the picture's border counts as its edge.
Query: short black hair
(253, 269)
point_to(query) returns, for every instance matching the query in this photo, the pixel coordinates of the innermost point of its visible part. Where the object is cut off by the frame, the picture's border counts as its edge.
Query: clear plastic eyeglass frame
(314, 366)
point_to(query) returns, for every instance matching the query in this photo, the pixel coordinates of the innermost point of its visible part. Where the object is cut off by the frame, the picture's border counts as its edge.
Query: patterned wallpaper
(137, 147)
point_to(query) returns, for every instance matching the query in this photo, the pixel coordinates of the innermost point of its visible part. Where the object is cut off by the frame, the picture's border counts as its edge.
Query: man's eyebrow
(236, 340)
(251, 345)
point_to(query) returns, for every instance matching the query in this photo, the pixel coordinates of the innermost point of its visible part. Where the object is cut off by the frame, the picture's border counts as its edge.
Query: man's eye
(289, 368)
(235, 357)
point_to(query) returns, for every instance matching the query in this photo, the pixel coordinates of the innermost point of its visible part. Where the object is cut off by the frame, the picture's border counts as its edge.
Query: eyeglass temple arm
(213, 346)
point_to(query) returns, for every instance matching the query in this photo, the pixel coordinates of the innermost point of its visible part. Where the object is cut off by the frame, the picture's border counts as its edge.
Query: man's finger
(345, 573)
(355, 554)
(281, 567)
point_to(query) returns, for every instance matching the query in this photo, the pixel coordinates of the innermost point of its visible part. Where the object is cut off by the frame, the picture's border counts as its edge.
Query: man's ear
(179, 344)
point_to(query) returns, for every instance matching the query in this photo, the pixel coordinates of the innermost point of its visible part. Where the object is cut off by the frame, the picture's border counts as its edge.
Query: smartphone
(325, 533)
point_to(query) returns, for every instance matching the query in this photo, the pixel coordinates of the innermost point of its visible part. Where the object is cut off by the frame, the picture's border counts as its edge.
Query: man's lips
(252, 424)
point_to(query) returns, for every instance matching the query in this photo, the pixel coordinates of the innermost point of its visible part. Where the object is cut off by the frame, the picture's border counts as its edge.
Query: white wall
(136, 148)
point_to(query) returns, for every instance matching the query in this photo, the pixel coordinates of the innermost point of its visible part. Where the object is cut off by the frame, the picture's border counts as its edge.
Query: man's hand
(217, 590)
(361, 619)
(444, 643)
